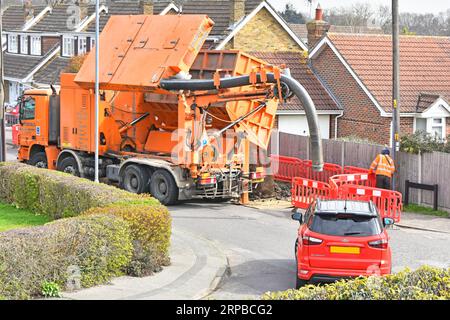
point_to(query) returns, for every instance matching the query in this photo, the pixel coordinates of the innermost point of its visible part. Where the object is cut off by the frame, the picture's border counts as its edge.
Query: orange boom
(174, 121)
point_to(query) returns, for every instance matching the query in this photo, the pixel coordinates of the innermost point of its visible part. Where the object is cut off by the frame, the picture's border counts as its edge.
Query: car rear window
(346, 225)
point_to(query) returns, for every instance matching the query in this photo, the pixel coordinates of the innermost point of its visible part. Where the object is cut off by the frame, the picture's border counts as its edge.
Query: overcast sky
(418, 6)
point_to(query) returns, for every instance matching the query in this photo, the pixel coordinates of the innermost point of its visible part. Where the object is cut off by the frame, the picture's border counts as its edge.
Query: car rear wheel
(39, 160)
(300, 283)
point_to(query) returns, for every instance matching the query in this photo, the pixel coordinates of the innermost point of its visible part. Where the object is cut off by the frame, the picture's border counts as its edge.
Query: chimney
(317, 28)
(83, 6)
(146, 6)
(28, 11)
(237, 10)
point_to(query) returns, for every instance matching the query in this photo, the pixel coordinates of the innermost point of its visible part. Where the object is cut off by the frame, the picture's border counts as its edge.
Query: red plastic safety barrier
(329, 170)
(388, 202)
(287, 168)
(350, 170)
(305, 191)
(361, 179)
(15, 134)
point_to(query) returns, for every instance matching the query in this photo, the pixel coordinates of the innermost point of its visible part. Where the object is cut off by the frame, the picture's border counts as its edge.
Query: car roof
(366, 208)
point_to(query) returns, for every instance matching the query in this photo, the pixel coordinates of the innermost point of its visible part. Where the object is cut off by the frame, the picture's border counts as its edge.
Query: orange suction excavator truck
(174, 121)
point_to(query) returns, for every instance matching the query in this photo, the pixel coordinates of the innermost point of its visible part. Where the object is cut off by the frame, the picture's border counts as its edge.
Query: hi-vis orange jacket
(384, 165)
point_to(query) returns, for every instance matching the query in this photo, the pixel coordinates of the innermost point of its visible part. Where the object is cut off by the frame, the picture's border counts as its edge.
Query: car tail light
(379, 244)
(310, 241)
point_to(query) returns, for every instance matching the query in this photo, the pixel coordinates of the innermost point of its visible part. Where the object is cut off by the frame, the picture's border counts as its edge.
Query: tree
(355, 16)
(291, 15)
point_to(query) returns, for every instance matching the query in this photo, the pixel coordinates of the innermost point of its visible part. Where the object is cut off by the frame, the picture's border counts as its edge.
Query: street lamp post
(97, 96)
(395, 139)
(2, 97)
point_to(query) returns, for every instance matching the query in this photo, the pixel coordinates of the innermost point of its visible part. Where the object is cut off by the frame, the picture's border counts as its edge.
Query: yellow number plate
(351, 250)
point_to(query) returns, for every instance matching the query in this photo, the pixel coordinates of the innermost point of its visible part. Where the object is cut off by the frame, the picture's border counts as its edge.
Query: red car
(340, 239)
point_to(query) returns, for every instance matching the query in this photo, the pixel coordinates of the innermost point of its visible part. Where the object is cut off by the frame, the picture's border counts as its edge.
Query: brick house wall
(361, 117)
(263, 33)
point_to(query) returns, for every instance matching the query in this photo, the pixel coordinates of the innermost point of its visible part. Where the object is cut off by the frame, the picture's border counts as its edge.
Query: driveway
(259, 245)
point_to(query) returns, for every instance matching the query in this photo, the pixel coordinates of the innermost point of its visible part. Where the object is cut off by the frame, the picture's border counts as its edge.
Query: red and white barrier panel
(362, 179)
(305, 191)
(286, 168)
(329, 170)
(388, 202)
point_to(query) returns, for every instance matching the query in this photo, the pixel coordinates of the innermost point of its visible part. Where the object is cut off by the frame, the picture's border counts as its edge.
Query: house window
(438, 127)
(12, 43)
(24, 44)
(36, 45)
(68, 46)
(92, 42)
(82, 45)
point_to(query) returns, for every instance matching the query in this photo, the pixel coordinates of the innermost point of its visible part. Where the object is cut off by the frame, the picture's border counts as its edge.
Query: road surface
(259, 245)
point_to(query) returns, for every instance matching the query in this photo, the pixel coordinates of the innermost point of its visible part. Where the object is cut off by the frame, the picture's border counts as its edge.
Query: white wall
(297, 124)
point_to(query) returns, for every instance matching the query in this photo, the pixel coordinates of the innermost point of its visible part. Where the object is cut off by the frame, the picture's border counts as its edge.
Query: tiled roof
(302, 73)
(300, 30)
(50, 72)
(19, 66)
(13, 17)
(58, 20)
(424, 65)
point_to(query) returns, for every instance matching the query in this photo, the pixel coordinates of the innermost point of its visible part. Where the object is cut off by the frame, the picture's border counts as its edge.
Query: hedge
(425, 283)
(105, 232)
(57, 194)
(150, 230)
(100, 246)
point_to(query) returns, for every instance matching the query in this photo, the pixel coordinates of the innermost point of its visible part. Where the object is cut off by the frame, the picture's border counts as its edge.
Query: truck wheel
(163, 187)
(39, 160)
(69, 165)
(135, 179)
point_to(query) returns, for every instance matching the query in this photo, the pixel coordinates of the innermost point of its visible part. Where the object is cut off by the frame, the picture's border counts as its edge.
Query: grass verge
(13, 218)
(415, 208)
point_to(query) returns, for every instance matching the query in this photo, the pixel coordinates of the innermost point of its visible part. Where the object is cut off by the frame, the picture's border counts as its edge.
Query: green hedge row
(98, 247)
(425, 283)
(57, 194)
(114, 233)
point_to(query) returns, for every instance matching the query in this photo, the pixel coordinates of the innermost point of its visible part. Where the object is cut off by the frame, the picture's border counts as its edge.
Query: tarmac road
(259, 245)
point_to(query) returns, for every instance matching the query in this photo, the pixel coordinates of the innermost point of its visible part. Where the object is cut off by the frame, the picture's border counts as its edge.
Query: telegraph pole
(395, 139)
(2, 98)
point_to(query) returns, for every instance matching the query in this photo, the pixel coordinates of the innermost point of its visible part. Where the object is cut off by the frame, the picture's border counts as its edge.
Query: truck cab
(39, 127)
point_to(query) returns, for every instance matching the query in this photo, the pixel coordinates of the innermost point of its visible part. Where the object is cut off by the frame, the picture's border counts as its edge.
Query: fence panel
(359, 154)
(332, 151)
(408, 169)
(292, 145)
(436, 170)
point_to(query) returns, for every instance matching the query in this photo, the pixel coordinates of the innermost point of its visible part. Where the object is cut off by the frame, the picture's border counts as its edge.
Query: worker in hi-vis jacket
(383, 167)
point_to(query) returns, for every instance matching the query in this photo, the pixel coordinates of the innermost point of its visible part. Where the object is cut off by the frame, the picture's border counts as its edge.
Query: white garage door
(297, 124)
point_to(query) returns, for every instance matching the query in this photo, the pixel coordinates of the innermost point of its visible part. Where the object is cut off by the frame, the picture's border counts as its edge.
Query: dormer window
(68, 47)
(36, 45)
(23, 44)
(12, 43)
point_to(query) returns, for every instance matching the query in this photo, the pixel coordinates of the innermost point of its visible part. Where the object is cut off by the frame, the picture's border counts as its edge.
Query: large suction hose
(240, 81)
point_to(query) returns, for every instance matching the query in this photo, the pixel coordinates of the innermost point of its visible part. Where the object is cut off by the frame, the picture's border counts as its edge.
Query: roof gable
(251, 15)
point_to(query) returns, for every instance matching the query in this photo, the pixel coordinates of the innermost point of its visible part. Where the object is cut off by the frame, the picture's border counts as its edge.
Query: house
(358, 70)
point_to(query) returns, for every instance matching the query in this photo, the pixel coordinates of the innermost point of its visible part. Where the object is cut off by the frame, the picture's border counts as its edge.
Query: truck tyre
(135, 179)
(69, 165)
(39, 160)
(163, 187)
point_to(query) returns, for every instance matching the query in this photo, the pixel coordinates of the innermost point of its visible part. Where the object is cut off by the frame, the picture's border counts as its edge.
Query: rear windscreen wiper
(351, 233)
